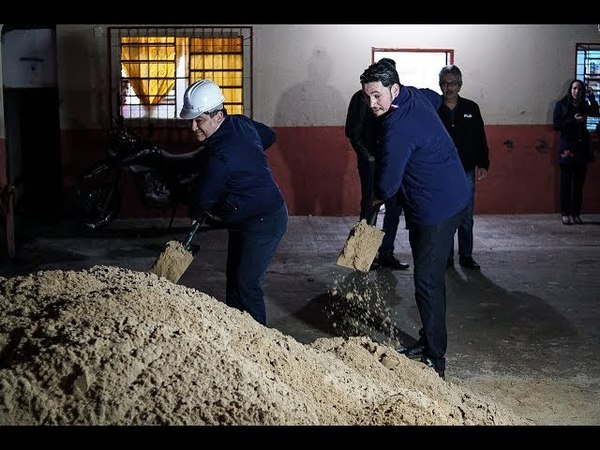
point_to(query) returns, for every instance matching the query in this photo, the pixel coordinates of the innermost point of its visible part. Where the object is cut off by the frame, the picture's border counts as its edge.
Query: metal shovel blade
(175, 258)
(361, 246)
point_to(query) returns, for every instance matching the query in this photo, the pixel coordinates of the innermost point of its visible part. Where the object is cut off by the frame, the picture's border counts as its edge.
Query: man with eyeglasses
(462, 118)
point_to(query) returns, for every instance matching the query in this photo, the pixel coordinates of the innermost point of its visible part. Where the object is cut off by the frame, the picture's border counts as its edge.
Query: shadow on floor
(520, 330)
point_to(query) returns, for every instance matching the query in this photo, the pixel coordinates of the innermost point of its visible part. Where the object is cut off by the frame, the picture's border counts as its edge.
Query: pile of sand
(113, 346)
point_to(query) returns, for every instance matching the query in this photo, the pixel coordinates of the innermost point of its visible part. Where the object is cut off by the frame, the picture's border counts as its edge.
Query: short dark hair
(382, 71)
(454, 70)
(389, 61)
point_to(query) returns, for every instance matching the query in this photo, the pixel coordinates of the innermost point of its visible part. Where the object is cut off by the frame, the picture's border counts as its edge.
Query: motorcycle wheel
(97, 198)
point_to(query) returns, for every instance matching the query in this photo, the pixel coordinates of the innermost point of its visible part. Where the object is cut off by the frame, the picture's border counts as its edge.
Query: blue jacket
(236, 182)
(419, 159)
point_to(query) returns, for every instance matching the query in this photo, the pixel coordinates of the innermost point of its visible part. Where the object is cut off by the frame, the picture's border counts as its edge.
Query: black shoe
(391, 262)
(429, 363)
(450, 263)
(566, 220)
(374, 265)
(577, 220)
(414, 351)
(469, 263)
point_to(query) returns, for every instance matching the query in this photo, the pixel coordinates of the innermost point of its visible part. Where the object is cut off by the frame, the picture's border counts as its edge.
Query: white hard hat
(200, 97)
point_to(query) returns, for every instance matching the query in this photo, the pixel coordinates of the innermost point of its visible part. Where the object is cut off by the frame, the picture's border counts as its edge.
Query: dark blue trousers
(251, 247)
(430, 245)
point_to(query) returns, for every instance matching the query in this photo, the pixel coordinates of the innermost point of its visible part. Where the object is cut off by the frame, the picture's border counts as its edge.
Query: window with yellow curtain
(221, 60)
(157, 64)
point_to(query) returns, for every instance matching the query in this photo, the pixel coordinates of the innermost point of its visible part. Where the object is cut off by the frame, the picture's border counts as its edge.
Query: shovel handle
(373, 218)
(188, 240)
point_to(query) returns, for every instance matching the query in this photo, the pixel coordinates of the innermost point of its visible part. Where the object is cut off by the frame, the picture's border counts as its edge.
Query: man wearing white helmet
(237, 186)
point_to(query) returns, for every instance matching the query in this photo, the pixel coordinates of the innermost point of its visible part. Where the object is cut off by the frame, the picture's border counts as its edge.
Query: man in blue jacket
(360, 129)
(237, 186)
(420, 163)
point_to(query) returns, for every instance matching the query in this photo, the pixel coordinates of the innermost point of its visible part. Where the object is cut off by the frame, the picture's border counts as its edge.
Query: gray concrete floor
(532, 311)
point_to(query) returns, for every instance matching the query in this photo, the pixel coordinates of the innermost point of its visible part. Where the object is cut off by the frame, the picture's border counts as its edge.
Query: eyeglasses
(449, 83)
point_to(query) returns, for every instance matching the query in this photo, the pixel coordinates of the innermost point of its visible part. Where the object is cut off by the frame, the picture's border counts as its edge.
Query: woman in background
(574, 148)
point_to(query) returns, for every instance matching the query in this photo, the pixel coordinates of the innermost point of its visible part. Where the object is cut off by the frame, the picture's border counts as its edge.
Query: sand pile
(113, 346)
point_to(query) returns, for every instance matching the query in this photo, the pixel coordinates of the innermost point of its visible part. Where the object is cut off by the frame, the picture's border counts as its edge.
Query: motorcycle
(162, 179)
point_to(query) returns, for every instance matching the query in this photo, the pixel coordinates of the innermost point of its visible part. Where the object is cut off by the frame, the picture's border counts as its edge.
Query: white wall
(515, 72)
(304, 75)
(29, 58)
(83, 76)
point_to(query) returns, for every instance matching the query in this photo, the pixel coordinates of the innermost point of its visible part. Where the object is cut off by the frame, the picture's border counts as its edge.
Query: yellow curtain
(219, 59)
(150, 64)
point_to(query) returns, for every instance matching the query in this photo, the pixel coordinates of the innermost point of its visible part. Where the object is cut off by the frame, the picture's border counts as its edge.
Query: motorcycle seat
(181, 157)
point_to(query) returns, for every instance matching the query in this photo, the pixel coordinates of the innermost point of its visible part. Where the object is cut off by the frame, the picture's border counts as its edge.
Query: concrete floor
(532, 311)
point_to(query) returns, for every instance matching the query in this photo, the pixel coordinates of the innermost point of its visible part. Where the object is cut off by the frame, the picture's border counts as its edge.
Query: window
(417, 67)
(588, 70)
(152, 67)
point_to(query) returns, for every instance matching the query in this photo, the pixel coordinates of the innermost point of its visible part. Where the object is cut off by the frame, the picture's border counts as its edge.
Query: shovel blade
(172, 262)
(361, 246)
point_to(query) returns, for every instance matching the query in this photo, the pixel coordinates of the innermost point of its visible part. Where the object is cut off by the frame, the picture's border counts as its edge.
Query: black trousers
(572, 179)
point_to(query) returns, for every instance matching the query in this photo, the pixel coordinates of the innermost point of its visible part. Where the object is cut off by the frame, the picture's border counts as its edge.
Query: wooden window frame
(381, 52)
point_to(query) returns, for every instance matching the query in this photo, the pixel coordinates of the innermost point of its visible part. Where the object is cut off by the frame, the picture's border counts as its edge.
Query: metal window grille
(152, 66)
(588, 70)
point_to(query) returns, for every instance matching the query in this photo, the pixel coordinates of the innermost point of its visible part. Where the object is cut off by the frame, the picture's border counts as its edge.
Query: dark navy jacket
(360, 127)
(465, 126)
(419, 158)
(236, 182)
(574, 135)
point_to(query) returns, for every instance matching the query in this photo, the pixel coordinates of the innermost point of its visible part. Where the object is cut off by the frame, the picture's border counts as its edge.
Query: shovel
(361, 246)
(176, 257)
